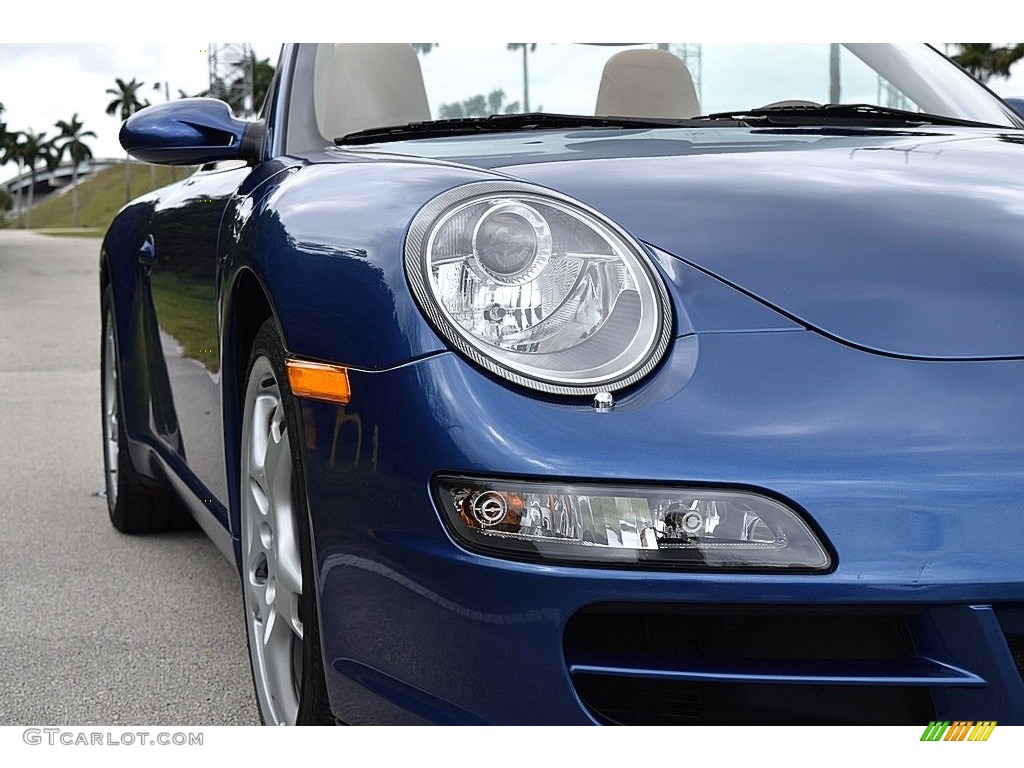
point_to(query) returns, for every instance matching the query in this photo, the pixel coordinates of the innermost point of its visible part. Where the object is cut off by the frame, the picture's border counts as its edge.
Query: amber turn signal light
(319, 381)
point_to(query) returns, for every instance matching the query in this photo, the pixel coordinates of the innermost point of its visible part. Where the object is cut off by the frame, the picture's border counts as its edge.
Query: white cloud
(44, 82)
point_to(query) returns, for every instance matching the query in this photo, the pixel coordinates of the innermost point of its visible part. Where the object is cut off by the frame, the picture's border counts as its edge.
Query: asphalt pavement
(96, 627)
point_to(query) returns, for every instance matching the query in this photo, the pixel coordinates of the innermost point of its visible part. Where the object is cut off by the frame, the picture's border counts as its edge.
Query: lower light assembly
(697, 528)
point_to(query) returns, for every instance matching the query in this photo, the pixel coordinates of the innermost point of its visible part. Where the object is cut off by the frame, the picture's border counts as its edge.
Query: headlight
(642, 526)
(537, 288)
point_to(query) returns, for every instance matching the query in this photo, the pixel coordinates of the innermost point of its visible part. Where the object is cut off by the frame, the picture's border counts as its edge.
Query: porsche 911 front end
(901, 476)
(639, 416)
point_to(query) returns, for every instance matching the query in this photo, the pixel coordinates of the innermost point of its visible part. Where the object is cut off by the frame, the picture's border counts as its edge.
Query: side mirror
(190, 132)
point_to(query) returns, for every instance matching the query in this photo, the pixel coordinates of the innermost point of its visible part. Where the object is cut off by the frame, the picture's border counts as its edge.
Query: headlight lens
(537, 288)
(643, 526)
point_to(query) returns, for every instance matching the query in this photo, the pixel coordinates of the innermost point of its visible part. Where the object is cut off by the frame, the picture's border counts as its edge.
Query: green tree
(984, 60)
(262, 76)
(526, 48)
(35, 148)
(10, 151)
(126, 100)
(234, 92)
(495, 100)
(451, 111)
(478, 106)
(71, 141)
(5, 138)
(126, 103)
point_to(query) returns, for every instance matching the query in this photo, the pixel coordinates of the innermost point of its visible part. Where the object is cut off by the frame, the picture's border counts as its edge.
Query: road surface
(98, 627)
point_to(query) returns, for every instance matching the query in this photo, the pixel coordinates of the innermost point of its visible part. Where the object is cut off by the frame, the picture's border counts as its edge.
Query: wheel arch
(247, 308)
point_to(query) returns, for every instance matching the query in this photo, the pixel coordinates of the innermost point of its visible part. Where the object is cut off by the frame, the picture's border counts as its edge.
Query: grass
(187, 310)
(100, 197)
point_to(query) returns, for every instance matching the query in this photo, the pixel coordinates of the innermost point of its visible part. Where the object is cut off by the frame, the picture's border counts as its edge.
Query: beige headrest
(362, 85)
(646, 83)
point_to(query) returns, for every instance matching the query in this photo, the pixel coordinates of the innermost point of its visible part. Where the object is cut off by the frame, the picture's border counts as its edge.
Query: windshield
(359, 87)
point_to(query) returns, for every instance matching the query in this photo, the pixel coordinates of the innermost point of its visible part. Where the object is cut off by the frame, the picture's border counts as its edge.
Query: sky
(59, 75)
(41, 83)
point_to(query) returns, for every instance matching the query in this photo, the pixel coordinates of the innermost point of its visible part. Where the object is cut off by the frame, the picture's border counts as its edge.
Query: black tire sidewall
(142, 505)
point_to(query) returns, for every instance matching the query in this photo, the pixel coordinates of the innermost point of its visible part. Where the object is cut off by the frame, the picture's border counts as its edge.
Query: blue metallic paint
(906, 242)
(186, 132)
(910, 469)
(407, 596)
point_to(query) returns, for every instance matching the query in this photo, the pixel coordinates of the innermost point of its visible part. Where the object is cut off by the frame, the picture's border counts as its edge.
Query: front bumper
(910, 469)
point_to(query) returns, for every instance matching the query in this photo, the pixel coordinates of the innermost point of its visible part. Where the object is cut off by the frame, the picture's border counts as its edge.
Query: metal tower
(231, 75)
(889, 96)
(691, 56)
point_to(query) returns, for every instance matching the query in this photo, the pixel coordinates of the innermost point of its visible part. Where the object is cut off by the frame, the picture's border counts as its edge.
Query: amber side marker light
(319, 381)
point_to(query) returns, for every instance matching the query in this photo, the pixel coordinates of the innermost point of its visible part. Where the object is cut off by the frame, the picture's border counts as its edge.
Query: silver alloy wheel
(111, 434)
(271, 562)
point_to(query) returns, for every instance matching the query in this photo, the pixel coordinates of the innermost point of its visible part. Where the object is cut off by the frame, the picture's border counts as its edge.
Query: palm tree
(6, 141)
(262, 76)
(4, 138)
(71, 135)
(126, 98)
(34, 148)
(983, 60)
(478, 106)
(495, 99)
(126, 103)
(10, 149)
(527, 48)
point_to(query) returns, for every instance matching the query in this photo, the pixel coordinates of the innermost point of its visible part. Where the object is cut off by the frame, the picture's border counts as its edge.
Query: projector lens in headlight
(537, 288)
(639, 526)
(511, 243)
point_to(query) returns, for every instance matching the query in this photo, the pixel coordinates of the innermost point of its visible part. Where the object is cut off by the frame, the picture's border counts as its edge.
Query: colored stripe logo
(958, 730)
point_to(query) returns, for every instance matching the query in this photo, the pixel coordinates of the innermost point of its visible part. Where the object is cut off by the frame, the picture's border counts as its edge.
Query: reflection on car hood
(904, 242)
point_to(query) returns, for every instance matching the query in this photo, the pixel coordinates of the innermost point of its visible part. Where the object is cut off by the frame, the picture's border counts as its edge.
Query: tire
(135, 505)
(279, 598)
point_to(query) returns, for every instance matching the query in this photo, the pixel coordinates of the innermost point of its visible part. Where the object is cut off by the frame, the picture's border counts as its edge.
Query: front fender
(327, 244)
(324, 244)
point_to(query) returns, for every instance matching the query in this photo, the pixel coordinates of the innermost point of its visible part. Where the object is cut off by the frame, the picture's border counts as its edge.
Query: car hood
(908, 243)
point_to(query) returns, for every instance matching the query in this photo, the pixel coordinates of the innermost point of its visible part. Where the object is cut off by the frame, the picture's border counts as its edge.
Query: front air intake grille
(1017, 649)
(1011, 618)
(629, 701)
(673, 666)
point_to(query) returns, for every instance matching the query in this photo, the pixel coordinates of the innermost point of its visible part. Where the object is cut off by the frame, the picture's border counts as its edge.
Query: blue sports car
(640, 384)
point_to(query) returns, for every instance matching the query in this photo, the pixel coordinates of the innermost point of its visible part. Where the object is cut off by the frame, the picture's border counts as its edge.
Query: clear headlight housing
(694, 528)
(537, 288)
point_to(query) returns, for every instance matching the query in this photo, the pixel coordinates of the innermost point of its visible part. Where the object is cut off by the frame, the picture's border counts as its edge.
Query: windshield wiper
(824, 115)
(531, 121)
(841, 114)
